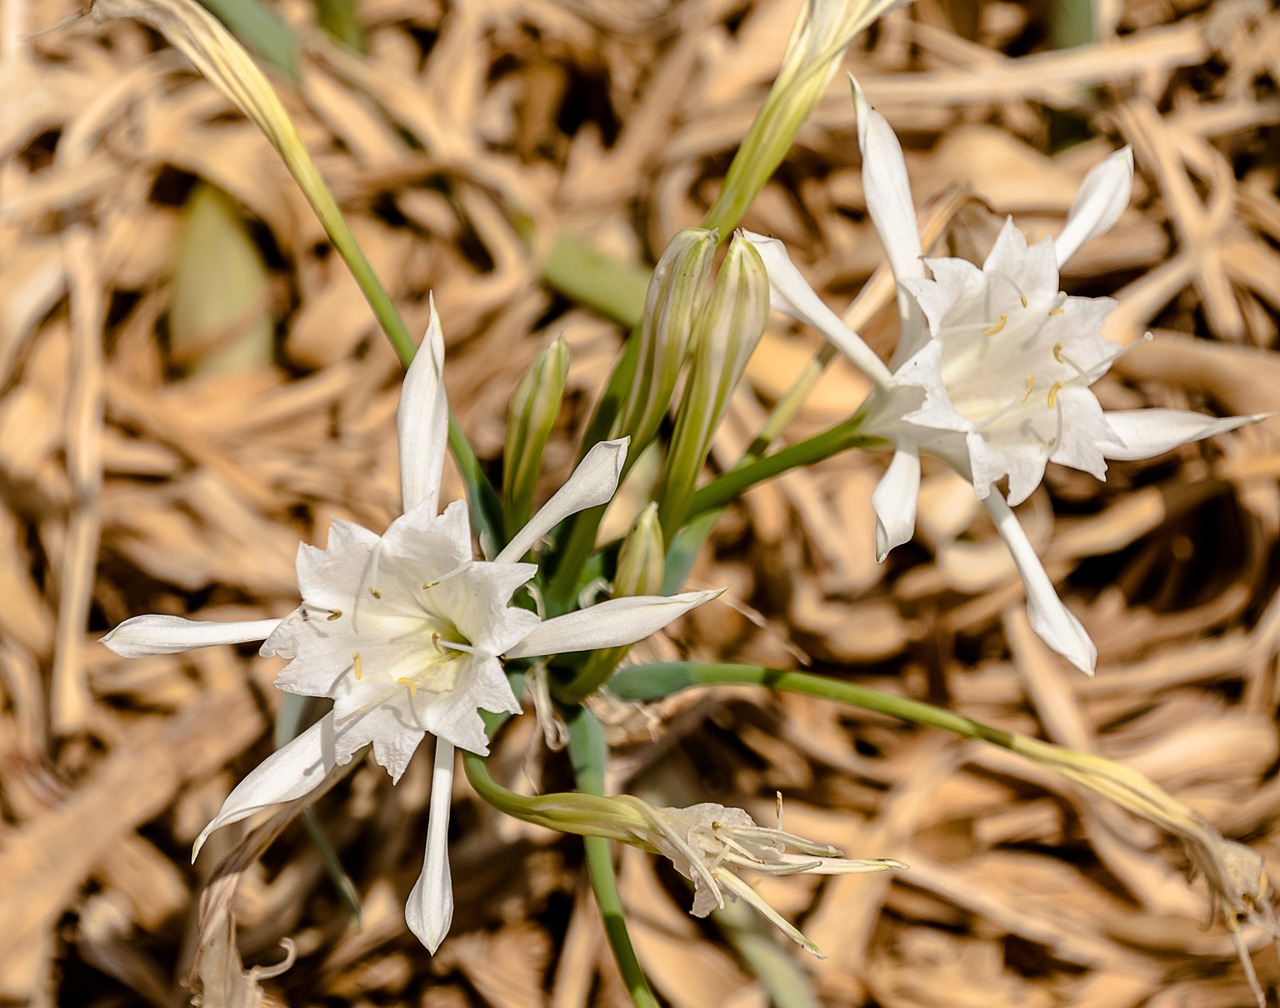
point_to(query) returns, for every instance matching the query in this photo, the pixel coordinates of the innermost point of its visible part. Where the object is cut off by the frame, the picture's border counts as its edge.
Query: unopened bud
(676, 296)
(533, 412)
(725, 337)
(642, 557)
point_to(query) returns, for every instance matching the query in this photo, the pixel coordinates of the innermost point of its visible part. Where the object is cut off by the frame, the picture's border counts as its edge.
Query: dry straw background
(473, 134)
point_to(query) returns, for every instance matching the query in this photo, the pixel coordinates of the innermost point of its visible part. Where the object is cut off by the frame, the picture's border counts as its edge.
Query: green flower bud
(676, 295)
(642, 557)
(641, 569)
(532, 415)
(726, 335)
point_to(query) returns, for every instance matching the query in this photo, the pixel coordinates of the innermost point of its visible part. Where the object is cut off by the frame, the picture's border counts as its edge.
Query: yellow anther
(1053, 394)
(435, 641)
(374, 592)
(408, 683)
(1057, 353)
(1056, 311)
(999, 325)
(333, 615)
(429, 585)
(1031, 384)
(1023, 298)
(357, 664)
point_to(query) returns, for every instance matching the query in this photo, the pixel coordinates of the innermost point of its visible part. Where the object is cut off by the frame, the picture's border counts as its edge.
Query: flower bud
(534, 407)
(726, 335)
(641, 570)
(677, 293)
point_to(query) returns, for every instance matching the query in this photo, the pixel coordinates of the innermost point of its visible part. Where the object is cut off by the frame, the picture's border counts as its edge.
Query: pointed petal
(1051, 619)
(791, 294)
(1103, 196)
(1145, 433)
(591, 484)
(888, 190)
(893, 212)
(609, 624)
(429, 911)
(423, 420)
(286, 774)
(894, 501)
(149, 635)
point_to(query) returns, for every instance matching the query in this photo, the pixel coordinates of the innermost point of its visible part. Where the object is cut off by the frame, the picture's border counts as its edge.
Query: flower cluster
(407, 632)
(993, 367)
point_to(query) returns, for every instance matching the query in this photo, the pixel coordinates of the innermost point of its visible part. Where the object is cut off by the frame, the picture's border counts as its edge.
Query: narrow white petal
(1051, 619)
(791, 294)
(422, 421)
(888, 190)
(1145, 433)
(149, 635)
(286, 774)
(592, 483)
(894, 501)
(1103, 196)
(429, 911)
(609, 624)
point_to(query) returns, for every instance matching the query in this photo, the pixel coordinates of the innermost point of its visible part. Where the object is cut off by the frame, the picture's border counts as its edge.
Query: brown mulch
(134, 480)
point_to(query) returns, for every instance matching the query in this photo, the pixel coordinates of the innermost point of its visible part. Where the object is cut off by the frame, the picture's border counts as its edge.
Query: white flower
(709, 843)
(406, 632)
(992, 369)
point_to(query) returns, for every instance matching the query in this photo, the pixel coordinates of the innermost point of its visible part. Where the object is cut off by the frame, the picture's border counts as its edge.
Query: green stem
(1106, 777)
(588, 753)
(723, 489)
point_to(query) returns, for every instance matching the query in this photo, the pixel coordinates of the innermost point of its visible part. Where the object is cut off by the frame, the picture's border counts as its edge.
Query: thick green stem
(589, 753)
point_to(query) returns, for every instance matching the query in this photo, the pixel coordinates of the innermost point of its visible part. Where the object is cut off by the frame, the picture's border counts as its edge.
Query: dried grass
(128, 488)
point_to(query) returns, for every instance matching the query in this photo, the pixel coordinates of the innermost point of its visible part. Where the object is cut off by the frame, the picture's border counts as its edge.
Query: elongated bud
(677, 293)
(532, 415)
(642, 557)
(641, 570)
(819, 38)
(726, 335)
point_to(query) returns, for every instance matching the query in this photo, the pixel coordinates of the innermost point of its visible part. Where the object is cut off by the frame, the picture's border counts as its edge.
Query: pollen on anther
(1031, 384)
(1057, 353)
(1056, 311)
(429, 585)
(409, 684)
(374, 592)
(1023, 299)
(357, 664)
(1053, 394)
(435, 641)
(333, 615)
(998, 326)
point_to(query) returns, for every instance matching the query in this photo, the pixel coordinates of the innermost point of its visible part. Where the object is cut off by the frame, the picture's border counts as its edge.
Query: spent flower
(407, 632)
(993, 366)
(709, 844)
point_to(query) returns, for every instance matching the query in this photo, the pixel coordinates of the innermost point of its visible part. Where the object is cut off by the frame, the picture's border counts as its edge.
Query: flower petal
(429, 910)
(612, 623)
(286, 774)
(1102, 198)
(894, 500)
(791, 294)
(149, 635)
(591, 484)
(1145, 433)
(1051, 619)
(422, 421)
(888, 190)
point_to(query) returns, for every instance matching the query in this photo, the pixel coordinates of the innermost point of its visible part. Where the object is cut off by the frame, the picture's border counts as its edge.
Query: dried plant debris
(150, 462)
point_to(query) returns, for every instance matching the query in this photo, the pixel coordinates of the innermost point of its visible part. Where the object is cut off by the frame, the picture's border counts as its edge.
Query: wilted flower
(406, 632)
(993, 365)
(709, 844)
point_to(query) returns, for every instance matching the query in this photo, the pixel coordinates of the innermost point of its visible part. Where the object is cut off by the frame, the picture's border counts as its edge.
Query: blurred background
(191, 383)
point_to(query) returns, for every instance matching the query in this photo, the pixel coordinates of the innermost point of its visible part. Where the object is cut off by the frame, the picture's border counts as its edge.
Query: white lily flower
(406, 632)
(993, 365)
(709, 843)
